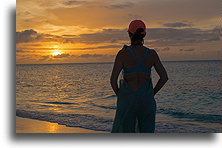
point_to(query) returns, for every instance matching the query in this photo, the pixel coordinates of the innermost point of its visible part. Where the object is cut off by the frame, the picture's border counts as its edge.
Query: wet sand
(25, 125)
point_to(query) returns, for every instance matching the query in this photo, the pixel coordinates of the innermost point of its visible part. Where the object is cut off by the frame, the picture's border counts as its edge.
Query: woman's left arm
(118, 65)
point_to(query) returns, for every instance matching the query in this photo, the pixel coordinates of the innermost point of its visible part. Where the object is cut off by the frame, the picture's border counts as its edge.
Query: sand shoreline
(164, 124)
(26, 125)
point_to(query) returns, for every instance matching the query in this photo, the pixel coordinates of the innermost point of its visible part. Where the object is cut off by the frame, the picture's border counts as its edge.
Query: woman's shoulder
(151, 50)
(123, 49)
(153, 53)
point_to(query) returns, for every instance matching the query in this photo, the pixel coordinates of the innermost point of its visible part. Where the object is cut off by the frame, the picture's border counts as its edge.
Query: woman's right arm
(161, 72)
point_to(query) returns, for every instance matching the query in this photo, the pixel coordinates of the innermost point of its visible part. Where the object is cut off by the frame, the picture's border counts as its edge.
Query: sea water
(80, 95)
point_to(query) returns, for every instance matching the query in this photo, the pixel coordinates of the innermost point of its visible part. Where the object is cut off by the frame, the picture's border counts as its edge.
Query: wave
(93, 122)
(207, 118)
(86, 121)
(103, 106)
(109, 97)
(68, 103)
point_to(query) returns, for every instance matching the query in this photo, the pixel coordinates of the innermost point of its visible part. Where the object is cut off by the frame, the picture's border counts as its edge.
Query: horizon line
(110, 62)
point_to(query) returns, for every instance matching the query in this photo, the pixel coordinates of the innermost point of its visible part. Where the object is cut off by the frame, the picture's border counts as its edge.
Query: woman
(135, 97)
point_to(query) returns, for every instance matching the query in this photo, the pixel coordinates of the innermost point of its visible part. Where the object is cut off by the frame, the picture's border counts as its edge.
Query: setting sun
(56, 52)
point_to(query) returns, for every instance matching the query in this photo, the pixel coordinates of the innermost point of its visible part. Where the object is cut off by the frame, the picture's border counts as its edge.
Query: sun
(56, 52)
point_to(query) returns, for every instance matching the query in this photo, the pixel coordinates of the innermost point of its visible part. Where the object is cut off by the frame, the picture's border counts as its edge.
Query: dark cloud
(33, 36)
(69, 36)
(120, 5)
(44, 58)
(181, 37)
(50, 58)
(189, 49)
(103, 47)
(27, 36)
(106, 35)
(19, 50)
(177, 24)
(162, 49)
(73, 2)
(50, 38)
(62, 56)
(156, 37)
(94, 55)
(165, 49)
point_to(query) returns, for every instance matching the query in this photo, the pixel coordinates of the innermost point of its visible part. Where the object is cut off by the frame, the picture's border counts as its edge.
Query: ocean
(80, 95)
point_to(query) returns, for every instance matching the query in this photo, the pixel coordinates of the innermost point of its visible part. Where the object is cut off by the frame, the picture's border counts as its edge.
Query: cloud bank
(156, 37)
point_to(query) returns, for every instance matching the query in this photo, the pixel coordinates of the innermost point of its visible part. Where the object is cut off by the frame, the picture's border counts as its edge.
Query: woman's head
(137, 31)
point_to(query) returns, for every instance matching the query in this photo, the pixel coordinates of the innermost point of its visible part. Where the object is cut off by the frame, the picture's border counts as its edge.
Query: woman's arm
(118, 65)
(161, 72)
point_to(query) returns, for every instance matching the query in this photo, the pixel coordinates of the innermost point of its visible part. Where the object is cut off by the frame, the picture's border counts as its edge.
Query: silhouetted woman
(135, 97)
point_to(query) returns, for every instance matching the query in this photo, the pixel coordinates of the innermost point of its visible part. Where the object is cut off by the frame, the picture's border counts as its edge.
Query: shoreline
(164, 124)
(26, 125)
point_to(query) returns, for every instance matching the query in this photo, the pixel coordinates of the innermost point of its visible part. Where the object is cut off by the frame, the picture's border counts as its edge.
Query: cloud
(189, 49)
(102, 47)
(156, 37)
(120, 5)
(177, 24)
(65, 13)
(162, 49)
(97, 47)
(62, 56)
(165, 49)
(94, 55)
(182, 37)
(50, 57)
(106, 35)
(19, 49)
(73, 2)
(27, 36)
(33, 36)
(44, 58)
(151, 11)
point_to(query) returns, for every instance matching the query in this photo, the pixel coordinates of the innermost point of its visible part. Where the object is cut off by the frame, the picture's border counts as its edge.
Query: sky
(85, 31)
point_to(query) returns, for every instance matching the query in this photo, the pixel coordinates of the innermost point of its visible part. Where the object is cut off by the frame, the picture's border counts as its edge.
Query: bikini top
(139, 67)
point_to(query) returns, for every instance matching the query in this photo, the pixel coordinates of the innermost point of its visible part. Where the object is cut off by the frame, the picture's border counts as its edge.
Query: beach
(25, 125)
(164, 124)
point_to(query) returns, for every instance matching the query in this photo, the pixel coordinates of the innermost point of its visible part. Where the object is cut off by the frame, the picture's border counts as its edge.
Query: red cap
(134, 25)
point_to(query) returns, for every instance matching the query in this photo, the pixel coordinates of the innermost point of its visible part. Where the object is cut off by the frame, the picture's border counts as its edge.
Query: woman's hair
(137, 38)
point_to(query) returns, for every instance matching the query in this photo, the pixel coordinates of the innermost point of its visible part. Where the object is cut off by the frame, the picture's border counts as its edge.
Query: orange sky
(73, 31)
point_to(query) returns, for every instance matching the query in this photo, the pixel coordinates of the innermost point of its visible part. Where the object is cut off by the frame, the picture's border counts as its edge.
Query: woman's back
(137, 78)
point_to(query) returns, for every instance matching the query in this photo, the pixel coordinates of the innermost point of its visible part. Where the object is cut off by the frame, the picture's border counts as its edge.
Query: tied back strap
(134, 56)
(144, 56)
